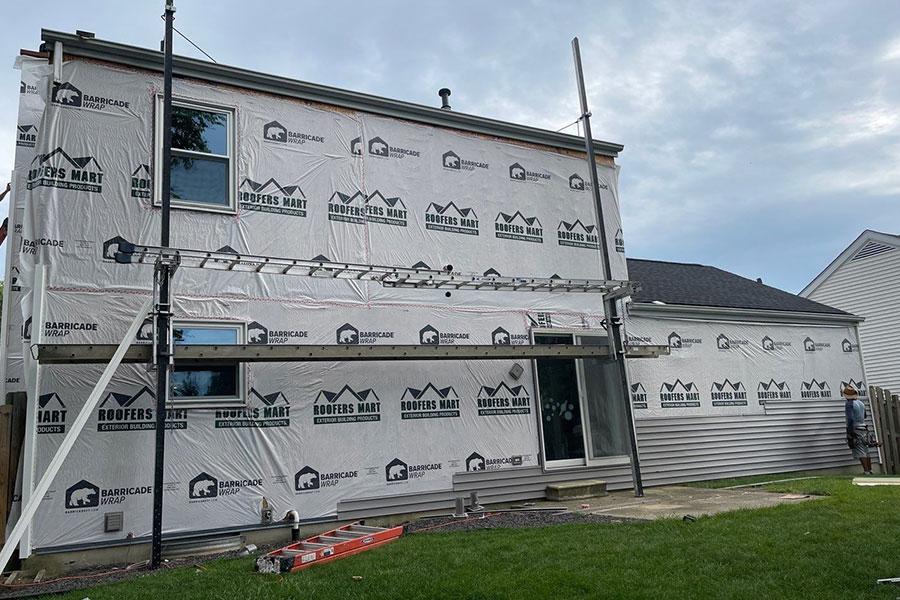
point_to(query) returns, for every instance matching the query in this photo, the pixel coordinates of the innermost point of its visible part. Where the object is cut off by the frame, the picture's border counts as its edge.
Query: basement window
(213, 385)
(202, 156)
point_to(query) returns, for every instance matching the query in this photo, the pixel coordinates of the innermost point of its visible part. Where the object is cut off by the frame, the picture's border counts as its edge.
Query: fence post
(893, 414)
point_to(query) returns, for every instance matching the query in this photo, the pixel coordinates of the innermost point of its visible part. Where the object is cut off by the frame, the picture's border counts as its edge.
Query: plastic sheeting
(735, 368)
(310, 182)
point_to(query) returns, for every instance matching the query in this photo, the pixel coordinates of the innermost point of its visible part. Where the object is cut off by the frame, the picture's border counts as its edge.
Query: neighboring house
(752, 383)
(865, 280)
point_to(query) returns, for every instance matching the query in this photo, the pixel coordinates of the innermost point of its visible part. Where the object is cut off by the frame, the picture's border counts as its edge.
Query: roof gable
(869, 243)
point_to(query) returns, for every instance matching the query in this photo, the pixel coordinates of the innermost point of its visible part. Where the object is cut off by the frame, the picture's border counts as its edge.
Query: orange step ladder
(337, 543)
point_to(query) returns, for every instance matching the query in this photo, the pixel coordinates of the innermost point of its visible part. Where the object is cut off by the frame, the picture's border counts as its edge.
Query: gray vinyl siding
(870, 287)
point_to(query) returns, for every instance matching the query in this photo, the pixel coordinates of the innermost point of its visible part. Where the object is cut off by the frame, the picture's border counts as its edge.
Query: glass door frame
(572, 463)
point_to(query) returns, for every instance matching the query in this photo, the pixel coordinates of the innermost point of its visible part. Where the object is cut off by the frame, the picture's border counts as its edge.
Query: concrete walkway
(674, 501)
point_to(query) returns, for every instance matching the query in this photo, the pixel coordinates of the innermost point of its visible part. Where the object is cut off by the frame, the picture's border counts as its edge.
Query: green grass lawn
(831, 548)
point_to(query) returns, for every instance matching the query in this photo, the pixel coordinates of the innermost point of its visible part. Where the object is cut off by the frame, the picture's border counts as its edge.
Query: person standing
(857, 430)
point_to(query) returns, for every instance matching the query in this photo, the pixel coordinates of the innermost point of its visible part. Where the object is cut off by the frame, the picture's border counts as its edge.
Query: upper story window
(212, 385)
(202, 156)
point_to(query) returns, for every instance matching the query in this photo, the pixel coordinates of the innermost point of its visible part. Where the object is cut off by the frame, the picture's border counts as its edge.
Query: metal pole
(613, 321)
(164, 313)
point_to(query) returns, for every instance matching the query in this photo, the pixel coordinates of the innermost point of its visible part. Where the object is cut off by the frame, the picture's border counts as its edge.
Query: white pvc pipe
(294, 516)
(80, 421)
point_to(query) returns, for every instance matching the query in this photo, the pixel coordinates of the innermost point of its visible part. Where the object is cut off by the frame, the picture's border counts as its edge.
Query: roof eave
(740, 314)
(143, 58)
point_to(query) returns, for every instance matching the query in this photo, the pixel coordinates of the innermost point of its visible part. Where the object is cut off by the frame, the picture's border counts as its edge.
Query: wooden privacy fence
(886, 415)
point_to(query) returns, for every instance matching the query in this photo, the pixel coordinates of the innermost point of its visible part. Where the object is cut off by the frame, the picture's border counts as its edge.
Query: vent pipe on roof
(759, 280)
(444, 93)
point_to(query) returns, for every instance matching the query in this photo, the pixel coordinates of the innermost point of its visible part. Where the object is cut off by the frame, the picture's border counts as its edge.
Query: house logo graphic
(518, 227)
(83, 494)
(674, 340)
(145, 332)
(679, 394)
(847, 345)
(638, 395)
(111, 246)
(135, 412)
(26, 329)
(450, 160)
(428, 336)
(347, 335)
(768, 343)
(395, 471)
(306, 479)
(66, 94)
(492, 272)
(374, 208)
(58, 169)
(203, 487)
(815, 389)
(772, 390)
(141, 179)
(378, 147)
(51, 414)
(859, 386)
(576, 182)
(503, 400)
(809, 345)
(346, 406)
(26, 136)
(728, 393)
(451, 218)
(429, 402)
(519, 173)
(722, 342)
(619, 240)
(262, 411)
(678, 342)
(500, 337)
(257, 333)
(356, 147)
(273, 131)
(577, 235)
(272, 197)
(475, 462)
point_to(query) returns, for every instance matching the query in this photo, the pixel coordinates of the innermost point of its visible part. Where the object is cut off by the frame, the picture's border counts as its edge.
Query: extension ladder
(331, 545)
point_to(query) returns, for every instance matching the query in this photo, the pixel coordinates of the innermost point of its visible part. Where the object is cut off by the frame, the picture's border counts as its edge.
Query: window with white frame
(213, 385)
(202, 173)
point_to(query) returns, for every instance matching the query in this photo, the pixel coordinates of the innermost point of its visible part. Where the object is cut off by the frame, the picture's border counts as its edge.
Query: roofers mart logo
(257, 333)
(429, 402)
(135, 412)
(679, 394)
(374, 208)
(26, 136)
(518, 227)
(676, 342)
(451, 218)
(859, 386)
(577, 235)
(272, 197)
(66, 94)
(430, 336)
(771, 345)
(638, 395)
(308, 479)
(772, 390)
(812, 346)
(51, 414)
(348, 335)
(262, 411)
(273, 131)
(815, 389)
(503, 400)
(451, 161)
(724, 342)
(728, 393)
(205, 487)
(84, 496)
(398, 471)
(346, 406)
(379, 148)
(141, 179)
(58, 169)
(519, 173)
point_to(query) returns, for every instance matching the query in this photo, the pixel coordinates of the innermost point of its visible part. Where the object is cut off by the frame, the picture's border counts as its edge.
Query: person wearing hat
(857, 438)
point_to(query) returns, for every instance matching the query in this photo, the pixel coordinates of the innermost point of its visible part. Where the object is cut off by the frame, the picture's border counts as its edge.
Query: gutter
(641, 309)
(151, 60)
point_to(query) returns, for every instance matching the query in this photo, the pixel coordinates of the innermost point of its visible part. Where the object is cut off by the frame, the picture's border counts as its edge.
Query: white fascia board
(717, 313)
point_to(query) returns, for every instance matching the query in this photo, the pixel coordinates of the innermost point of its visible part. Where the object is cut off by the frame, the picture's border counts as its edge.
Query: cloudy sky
(760, 137)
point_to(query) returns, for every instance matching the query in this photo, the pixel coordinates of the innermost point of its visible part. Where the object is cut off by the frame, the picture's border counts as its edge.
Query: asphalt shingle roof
(701, 285)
